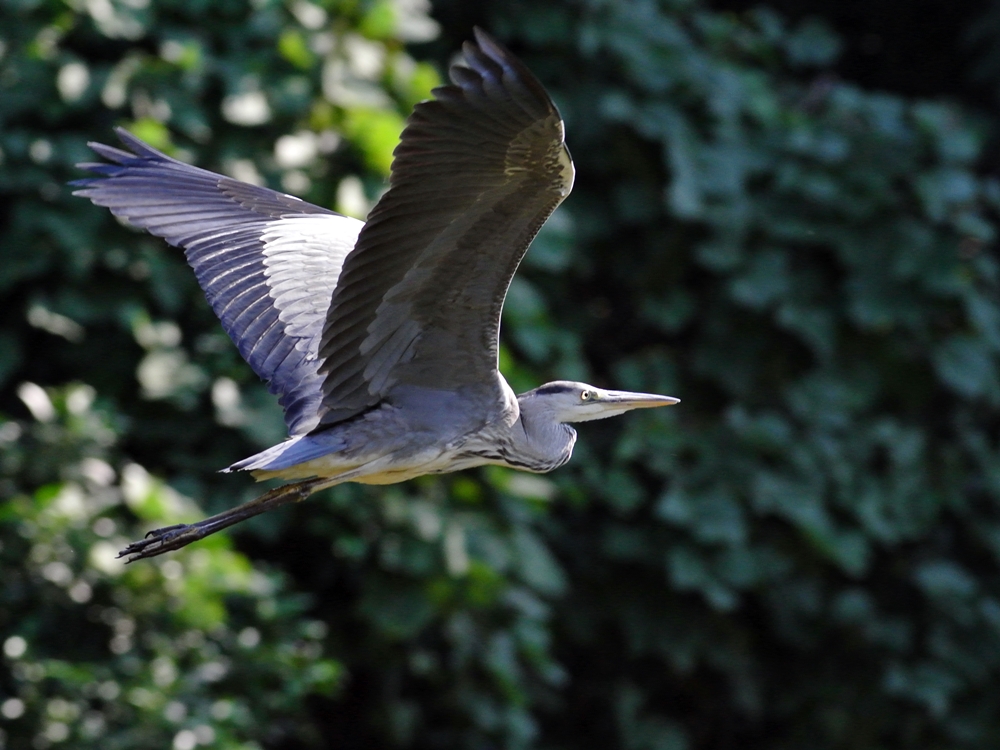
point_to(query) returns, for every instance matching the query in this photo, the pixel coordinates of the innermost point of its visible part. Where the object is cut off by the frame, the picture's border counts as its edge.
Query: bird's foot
(170, 538)
(158, 541)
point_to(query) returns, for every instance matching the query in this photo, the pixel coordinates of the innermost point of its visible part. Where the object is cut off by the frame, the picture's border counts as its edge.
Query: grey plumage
(268, 262)
(381, 339)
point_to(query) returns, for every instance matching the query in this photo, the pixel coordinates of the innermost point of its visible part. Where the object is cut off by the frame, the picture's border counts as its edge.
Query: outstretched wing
(477, 172)
(268, 262)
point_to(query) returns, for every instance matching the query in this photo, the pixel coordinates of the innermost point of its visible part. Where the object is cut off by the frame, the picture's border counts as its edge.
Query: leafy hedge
(803, 554)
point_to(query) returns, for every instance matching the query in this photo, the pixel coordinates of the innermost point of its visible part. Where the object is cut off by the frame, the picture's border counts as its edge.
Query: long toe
(158, 541)
(160, 533)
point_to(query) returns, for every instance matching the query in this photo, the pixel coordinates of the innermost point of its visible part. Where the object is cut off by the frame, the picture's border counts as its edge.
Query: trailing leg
(170, 538)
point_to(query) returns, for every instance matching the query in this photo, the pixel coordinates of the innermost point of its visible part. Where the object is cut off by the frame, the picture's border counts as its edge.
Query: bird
(379, 338)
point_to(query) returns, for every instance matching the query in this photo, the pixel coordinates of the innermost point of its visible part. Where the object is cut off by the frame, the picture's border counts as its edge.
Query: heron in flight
(379, 338)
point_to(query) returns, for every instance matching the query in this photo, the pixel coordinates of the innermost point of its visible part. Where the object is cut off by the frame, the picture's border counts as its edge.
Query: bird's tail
(278, 460)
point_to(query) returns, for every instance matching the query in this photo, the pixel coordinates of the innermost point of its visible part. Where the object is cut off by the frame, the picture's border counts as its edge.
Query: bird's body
(431, 432)
(422, 431)
(380, 339)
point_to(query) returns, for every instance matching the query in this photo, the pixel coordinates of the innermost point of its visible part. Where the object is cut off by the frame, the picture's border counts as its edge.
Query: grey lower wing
(477, 172)
(267, 262)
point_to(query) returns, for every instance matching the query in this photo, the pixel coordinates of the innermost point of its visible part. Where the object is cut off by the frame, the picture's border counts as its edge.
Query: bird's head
(568, 401)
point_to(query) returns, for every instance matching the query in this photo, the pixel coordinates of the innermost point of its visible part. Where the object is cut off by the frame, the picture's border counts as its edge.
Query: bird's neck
(548, 443)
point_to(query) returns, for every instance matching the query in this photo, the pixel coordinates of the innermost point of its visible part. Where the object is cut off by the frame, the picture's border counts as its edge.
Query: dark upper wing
(268, 262)
(478, 170)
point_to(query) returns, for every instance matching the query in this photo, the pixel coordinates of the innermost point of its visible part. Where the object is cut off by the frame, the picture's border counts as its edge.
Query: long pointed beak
(629, 400)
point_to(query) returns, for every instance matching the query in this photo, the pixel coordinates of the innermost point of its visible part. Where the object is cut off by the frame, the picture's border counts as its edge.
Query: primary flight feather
(380, 339)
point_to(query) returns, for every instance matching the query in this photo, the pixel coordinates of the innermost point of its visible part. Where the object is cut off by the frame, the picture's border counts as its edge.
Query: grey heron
(380, 339)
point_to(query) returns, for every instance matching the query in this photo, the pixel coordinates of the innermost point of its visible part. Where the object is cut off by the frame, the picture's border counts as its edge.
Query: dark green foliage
(803, 554)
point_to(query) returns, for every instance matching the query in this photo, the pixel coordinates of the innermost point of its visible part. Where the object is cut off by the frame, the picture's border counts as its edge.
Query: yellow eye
(585, 395)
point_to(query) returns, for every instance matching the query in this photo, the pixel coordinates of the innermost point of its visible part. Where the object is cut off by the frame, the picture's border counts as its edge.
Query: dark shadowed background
(784, 214)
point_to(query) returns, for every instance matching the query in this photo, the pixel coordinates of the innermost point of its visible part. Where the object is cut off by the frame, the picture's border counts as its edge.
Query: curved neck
(545, 443)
